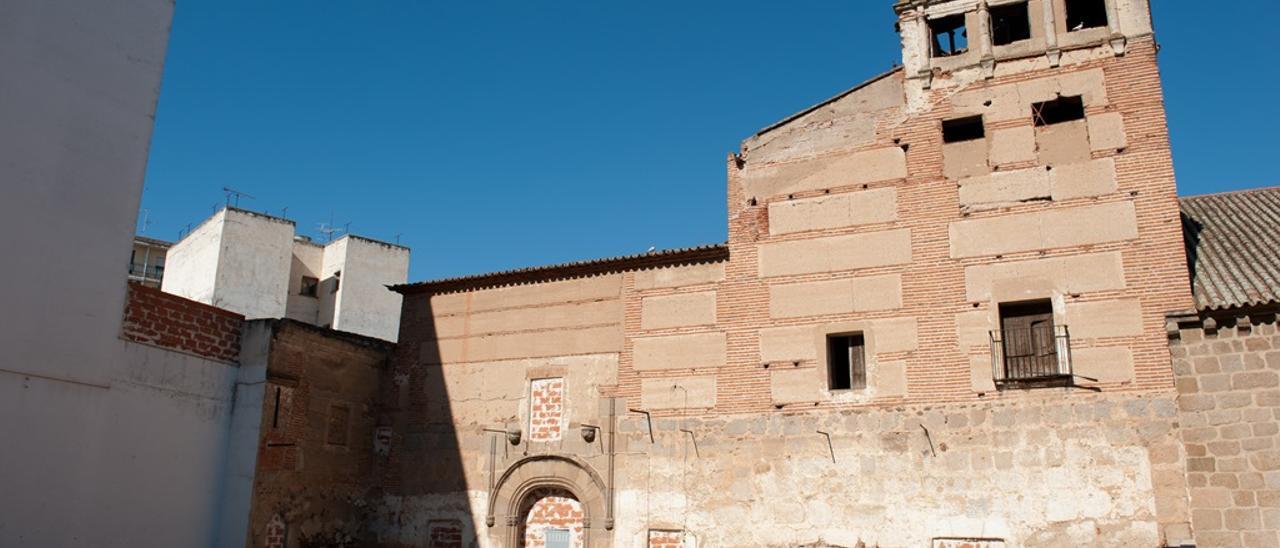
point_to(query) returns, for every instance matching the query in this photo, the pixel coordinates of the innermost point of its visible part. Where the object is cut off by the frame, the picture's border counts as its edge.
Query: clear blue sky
(499, 134)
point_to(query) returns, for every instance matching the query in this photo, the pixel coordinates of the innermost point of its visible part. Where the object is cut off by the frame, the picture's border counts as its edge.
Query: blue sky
(489, 135)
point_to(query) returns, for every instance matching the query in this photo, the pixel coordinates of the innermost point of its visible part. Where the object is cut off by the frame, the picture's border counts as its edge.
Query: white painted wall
(192, 269)
(102, 442)
(307, 260)
(364, 304)
(253, 264)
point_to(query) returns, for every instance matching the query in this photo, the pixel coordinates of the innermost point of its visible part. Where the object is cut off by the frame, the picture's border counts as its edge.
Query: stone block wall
(1228, 379)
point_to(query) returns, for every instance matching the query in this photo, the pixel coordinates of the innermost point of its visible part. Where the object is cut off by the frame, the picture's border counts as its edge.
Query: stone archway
(532, 478)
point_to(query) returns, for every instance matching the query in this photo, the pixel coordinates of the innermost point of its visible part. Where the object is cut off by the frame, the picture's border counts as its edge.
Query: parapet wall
(156, 318)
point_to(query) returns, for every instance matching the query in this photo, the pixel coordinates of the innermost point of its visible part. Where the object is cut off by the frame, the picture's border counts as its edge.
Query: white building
(253, 264)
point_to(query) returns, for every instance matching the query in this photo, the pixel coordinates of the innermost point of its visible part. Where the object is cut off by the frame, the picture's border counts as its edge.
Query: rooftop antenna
(284, 212)
(146, 220)
(233, 193)
(398, 234)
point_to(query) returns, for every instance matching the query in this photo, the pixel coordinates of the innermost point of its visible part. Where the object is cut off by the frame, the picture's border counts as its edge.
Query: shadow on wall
(425, 500)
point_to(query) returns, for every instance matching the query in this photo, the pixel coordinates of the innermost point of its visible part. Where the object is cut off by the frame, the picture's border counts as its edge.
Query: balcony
(144, 272)
(1038, 356)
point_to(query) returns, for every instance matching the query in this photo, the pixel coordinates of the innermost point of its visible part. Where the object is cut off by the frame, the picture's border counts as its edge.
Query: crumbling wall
(1228, 376)
(316, 448)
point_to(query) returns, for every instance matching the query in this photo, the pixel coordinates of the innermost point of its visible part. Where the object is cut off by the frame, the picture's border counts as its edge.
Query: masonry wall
(364, 304)
(315, 449)
(851, 217)
(1228, 377)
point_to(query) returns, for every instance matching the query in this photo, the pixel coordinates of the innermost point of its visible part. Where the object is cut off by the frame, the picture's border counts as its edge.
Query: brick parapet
(159, 319)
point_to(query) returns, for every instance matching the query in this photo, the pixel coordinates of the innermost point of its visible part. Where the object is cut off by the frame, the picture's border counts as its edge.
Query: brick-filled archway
(552, 514)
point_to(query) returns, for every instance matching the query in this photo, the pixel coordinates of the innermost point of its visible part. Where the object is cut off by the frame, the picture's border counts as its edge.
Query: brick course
(156, 318)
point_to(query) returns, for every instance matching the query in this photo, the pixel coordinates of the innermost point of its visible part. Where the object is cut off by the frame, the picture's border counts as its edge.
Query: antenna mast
(233, 193)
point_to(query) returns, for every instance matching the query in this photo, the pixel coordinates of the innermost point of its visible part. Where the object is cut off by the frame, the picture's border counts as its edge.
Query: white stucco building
(254, 264)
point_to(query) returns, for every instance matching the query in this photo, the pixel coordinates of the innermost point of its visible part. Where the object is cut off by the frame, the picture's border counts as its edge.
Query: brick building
(939, 319)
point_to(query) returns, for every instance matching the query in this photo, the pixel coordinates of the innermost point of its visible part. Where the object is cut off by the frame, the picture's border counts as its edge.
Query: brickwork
(852, 218)
(275, 535)
(156, 318)
(1228, 381)
(546, 414)
(660, 538)
(445, 534)
(315, 451)
(553, 512)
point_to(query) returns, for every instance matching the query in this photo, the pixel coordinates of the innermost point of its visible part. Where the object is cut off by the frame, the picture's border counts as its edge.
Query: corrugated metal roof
(1233, 247)
(702, 253)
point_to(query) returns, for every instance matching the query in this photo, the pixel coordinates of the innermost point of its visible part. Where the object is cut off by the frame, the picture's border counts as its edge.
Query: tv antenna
(236, 194)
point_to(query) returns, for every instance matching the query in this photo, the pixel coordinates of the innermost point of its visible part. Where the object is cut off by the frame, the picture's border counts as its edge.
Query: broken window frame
(1062, 110)
(849, 372)
(1078, 17)
(1010, 23)
(952, 27)
(963, 129)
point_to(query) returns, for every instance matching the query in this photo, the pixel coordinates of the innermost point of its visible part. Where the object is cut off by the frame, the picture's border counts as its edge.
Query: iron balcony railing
(155, 272)
(1029, 355)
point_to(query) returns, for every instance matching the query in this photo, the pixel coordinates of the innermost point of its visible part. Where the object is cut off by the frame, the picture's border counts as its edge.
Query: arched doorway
(553, 518)
(570, 483)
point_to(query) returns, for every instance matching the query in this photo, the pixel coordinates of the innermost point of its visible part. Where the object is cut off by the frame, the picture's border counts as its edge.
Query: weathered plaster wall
(192, 268)
(1228, 377)
(364, 305)
(254, 264)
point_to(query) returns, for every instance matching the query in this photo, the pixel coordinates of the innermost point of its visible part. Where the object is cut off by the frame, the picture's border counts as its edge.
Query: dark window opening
(962, 129)
(1029, 341)
(949, 36)
(275, 412)
(846, 362)
(310, 286)
(1057, 111)
(337, 281)
(1010, 23)
(1086, 14)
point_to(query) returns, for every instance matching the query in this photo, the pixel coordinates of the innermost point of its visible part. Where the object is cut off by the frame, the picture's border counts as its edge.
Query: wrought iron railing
(1033, 354)
(143, 271)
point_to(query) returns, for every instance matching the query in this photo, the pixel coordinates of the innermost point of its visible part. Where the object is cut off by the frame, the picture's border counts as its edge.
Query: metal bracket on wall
(694, 439)
(831, 448)
(648, 419)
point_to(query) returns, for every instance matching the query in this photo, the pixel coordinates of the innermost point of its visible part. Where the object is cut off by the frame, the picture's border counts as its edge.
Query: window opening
(846, 362)
(1010, 23)
(310, 286)
(275, 412)
(963, 129)
(949, 36)
(1057, 111)
(557, 538)
(1086, 14)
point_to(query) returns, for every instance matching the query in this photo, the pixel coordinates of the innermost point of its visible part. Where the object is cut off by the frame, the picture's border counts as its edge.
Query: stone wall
(853, 217)
(1228, 377)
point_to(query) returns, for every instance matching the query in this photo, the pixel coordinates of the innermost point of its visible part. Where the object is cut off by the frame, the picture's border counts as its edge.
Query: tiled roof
(1233, 247)
(536, 274)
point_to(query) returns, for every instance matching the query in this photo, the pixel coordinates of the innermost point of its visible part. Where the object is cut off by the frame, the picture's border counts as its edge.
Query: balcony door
(1030, 345)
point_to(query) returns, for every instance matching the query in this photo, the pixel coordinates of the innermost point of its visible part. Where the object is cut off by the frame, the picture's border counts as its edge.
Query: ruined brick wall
(156, 318)
(1228, 378)
(316, 447)
(546, 416)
